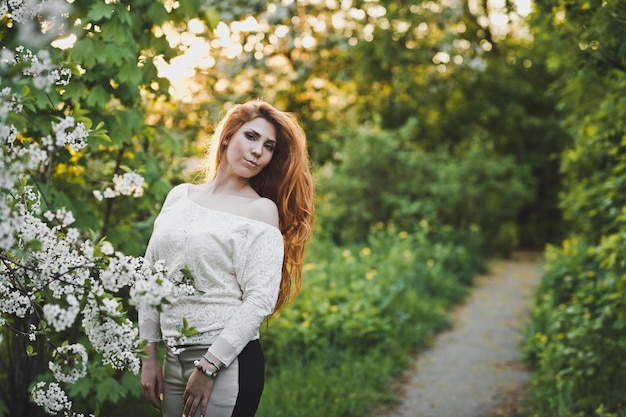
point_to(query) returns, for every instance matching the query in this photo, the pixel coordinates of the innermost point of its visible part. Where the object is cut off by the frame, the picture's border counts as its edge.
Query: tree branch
(109, 206)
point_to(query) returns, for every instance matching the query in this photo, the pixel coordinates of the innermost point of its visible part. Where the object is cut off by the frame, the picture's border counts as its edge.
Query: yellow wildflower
(371, 274)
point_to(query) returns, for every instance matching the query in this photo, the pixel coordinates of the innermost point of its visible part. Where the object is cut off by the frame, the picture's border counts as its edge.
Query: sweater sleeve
(149, 328)
(259, 275)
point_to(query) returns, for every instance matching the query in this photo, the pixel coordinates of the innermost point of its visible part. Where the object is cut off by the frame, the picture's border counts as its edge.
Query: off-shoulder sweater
(235, 263)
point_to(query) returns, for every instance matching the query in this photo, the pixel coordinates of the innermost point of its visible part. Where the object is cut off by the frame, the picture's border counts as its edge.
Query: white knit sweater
(236, 266)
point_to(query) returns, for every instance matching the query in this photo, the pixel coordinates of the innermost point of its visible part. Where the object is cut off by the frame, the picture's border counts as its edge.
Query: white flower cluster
(61, 264)
(67, 132)
(122, 270)
(62, 215)
(111, 334)
(152, 290)
(7, 239)
(40, 67)
(13, 302)
(21, 11)
(9, 102)
(129, 183)
(51, 397)
(71, 363)
(62, 318)
(175, 343)
(11, 214)
(181, 289)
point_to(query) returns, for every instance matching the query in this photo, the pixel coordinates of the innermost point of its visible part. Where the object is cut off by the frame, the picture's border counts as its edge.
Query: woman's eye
(250, 136)
(269, 147)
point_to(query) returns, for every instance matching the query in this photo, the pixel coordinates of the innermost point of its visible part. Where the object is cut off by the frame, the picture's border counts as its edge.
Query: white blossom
(115, 338)
(175, 343)
(73, 234)
(68, 132)
(107, 248)
(40, 68)
(62, 318)
(51, 397)
(150, 291)
(122, 271)
(21, 10)
(129, 183)
(71, 364)
(98, 195)
(13, 301)
(109, 193)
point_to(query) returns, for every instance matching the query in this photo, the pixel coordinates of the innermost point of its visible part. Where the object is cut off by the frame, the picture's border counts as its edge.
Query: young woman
(241, 235)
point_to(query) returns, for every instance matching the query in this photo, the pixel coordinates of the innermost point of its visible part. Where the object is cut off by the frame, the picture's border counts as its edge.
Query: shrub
(362, 312)
(576, 342)
(382, 176)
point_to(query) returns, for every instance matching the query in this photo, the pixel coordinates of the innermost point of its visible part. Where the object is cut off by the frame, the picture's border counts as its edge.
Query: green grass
(363, 311)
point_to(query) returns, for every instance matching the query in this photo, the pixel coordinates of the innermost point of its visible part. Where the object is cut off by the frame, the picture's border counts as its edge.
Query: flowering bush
(65, 294)
(50, 276)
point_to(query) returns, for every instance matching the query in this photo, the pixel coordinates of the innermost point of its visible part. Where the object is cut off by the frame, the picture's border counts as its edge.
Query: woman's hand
(197, 394)
(152, 381)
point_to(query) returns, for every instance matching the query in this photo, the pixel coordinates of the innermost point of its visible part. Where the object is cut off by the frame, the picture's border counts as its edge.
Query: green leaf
(124, 16)
(157, 13)
(129, 72)
(35, 245)
(185, 329)
(74, 91)
(120, 35)
(150, 71)
(30, 351)
(84, 52)
(132, 119)
(98, 96)
(186, 273)
(99, 11)
(82, 389)
(109, 390)
(211, 17)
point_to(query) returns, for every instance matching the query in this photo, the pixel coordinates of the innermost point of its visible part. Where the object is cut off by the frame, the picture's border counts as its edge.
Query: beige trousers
(176, 372)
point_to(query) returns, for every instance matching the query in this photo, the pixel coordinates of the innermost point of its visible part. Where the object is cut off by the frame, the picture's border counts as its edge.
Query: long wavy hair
(286, 180)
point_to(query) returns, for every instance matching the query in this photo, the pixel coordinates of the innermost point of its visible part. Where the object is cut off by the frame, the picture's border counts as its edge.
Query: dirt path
(474, 370)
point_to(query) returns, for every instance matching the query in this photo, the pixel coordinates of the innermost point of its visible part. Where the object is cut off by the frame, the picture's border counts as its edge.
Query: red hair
(286, 180)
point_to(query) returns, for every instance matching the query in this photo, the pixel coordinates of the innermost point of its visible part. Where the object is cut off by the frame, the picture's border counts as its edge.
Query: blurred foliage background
(441, 133)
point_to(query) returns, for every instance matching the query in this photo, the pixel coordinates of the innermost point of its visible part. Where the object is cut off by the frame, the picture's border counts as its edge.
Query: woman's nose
(257, 149)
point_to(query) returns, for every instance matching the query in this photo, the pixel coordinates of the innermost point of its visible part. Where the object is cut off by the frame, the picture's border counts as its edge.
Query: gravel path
(474, 370)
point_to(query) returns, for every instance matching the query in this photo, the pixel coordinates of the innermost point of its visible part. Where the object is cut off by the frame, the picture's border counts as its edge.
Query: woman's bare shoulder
(265, 210)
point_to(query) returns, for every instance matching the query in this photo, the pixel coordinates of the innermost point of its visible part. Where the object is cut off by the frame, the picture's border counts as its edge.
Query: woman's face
(251, 148)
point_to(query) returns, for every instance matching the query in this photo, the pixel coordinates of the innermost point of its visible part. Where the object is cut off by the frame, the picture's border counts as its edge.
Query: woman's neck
(230, 186)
